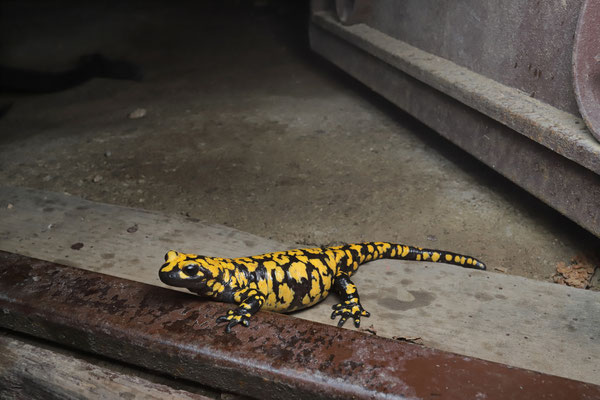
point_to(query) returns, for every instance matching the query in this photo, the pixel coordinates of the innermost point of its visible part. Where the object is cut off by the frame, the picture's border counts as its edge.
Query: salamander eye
(190, 270)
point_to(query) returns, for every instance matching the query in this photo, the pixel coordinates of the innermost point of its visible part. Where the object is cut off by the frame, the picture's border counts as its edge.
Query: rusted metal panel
(563, 184)
(519, 43)
(276, 357)
(560, 131)
(481, 73)
(586, 65)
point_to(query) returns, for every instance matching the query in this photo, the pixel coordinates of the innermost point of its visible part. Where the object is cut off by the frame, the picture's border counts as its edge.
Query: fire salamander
(291, 280)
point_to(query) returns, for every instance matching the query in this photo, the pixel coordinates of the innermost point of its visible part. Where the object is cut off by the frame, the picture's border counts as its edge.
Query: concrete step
(513, 320)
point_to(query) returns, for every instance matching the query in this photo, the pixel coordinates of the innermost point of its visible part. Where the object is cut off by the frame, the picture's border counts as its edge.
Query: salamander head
(187, 270)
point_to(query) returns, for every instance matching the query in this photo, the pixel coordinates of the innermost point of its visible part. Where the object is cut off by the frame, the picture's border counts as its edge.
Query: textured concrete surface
(245, 127)
(485, 314)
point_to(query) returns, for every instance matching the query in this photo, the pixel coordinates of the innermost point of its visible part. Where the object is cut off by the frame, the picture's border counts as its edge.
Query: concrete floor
(247, 128)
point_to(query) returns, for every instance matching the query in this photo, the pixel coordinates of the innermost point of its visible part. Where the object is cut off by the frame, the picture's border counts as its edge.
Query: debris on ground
(137, 113)
(410, 339)
(501, 269)
(579, 272)
(370, 329)
(77, 246)
(133, 228)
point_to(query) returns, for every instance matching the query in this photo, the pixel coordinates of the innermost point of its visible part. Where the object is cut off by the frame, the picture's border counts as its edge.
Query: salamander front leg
(350, 305)
(241, 315)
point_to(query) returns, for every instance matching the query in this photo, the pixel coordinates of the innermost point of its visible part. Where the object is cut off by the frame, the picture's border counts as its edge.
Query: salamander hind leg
(250, 305)
(350, 305)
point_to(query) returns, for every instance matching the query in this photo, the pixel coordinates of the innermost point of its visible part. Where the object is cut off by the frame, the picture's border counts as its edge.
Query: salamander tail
(365, 252)
(406, 252)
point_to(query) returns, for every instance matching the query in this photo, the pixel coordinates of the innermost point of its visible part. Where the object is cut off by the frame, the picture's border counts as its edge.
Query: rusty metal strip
(276, 357)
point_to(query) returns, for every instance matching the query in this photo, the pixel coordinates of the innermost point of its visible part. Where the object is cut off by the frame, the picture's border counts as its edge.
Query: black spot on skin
(77, 246)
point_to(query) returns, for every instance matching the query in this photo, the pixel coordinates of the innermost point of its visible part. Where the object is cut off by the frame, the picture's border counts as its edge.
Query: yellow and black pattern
(291, 280)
